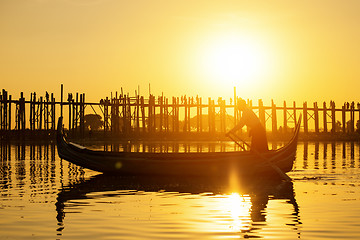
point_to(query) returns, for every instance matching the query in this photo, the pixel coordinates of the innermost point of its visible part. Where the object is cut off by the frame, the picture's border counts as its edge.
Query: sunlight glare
(239, 207)
(233, 60)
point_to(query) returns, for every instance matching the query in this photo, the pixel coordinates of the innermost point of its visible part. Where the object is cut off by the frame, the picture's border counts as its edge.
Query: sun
(233, 60)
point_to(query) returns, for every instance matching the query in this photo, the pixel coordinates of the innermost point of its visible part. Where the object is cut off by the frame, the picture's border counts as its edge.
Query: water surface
(44, 197)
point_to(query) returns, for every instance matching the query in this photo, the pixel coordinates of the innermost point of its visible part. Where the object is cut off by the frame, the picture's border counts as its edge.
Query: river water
(44, 197)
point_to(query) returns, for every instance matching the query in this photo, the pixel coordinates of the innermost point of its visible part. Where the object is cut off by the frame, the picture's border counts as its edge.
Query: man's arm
(237, 127)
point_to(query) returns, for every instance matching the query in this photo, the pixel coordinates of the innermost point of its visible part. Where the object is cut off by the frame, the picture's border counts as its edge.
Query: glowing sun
(235, 61)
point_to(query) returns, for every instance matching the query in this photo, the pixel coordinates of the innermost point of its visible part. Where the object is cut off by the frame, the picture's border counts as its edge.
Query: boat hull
(214, 164)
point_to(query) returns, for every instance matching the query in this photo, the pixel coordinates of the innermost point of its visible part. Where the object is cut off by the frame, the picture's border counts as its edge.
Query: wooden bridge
(124, 115)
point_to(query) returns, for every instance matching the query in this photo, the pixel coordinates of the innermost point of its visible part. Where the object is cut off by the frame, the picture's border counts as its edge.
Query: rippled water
(44, 197)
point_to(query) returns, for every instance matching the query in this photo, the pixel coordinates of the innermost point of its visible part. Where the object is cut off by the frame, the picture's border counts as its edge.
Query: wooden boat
(214, 164)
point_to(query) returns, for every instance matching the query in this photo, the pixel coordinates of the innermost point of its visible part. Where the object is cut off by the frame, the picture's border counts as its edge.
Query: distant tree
(93, 121)
(349, 126)
(337, 127)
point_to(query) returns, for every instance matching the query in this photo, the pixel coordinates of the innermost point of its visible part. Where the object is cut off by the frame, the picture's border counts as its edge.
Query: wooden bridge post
(137, 117)
(82, 115)
(223, 116)
(175, 115)
(105, 103)
(112, 115)
(52, 111)
(172, 115)
(358, 109)
(23, 118)
(316, 117)
(213, 116)
(294, 112)
(124, 100)
(153, 120)
(235, 107)
(173, 100)
(197, 114)
(352, 116)
(305, 117)
(333, 116)
(76, 115)
(274, 118)
(325, 117)
(21, 114)
(117, 114)
(143, 116)
(220, 117)
(343, 115)
(154, 114)
(46, 112)
(177, 123)
(2, 103)
(186, 108)
(201, 116)
(166, 113)
(17, 116)
(122, 112)
(9, 125)
(250, 105)
(4, 111)
(69, 99)
(73, 116)
(161, 115)
(61, 99)
(40, 121)
(285, 118)
(32, 111)
(1, 111)
(128, 114)
(190, 105)
(185, 128)
(262, 113)
(210, 114)
(149, 125)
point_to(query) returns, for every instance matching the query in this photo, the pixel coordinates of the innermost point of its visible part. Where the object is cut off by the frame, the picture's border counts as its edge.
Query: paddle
(268, 161)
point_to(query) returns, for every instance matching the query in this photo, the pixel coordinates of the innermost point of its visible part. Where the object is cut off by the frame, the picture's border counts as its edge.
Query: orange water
(44, 197)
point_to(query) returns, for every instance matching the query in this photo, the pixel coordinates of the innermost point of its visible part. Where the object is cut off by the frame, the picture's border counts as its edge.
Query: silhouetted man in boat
(257, 131)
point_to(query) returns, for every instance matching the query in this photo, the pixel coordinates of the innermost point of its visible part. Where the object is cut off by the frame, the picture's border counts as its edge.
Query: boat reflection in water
(192, 205)
(42, 195)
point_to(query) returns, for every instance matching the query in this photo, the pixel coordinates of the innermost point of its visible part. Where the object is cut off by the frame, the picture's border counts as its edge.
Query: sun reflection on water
(239, 207)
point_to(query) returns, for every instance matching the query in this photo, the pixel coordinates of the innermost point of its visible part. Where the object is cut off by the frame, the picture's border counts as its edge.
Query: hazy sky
(282, 50)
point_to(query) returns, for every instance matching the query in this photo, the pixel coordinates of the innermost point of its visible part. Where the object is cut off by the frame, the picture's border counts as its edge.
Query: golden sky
(282, 50)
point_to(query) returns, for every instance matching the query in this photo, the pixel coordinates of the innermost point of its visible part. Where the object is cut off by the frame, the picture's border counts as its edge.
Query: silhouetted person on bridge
(257, 131)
